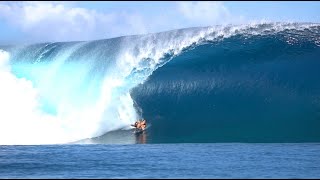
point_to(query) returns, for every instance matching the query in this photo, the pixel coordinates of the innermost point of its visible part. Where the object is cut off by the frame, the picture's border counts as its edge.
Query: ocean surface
(204, 160)
(235, 101)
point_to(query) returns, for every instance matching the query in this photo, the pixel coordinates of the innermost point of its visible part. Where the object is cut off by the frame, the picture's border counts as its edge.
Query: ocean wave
(91, 88)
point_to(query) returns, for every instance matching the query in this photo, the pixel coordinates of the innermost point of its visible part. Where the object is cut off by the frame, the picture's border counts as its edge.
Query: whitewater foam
(23, 120)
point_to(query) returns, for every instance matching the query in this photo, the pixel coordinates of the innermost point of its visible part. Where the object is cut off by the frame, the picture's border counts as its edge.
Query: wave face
(262, 87)
(215, 84)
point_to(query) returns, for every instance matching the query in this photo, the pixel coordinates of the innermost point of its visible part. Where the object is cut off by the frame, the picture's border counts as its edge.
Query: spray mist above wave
(65, 92)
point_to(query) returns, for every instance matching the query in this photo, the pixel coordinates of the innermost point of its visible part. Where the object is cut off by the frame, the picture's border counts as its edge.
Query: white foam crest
(154, 46)
(149, 50)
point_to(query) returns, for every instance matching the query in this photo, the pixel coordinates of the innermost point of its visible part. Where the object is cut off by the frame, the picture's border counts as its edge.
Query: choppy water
(213, 160)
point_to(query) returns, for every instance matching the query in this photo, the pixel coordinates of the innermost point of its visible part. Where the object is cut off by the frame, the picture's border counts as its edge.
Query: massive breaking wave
(248, 83)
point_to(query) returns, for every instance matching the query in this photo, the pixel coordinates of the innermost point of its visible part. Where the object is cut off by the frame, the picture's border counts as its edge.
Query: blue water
(213, 160)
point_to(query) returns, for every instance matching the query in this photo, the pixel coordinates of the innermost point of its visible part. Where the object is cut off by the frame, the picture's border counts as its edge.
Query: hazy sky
(29, 22)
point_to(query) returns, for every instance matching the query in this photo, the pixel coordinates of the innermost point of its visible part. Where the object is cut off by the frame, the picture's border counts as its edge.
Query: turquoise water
(213, 160)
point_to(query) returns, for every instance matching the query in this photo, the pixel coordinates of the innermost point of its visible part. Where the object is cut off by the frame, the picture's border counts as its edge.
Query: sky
(33, 22)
